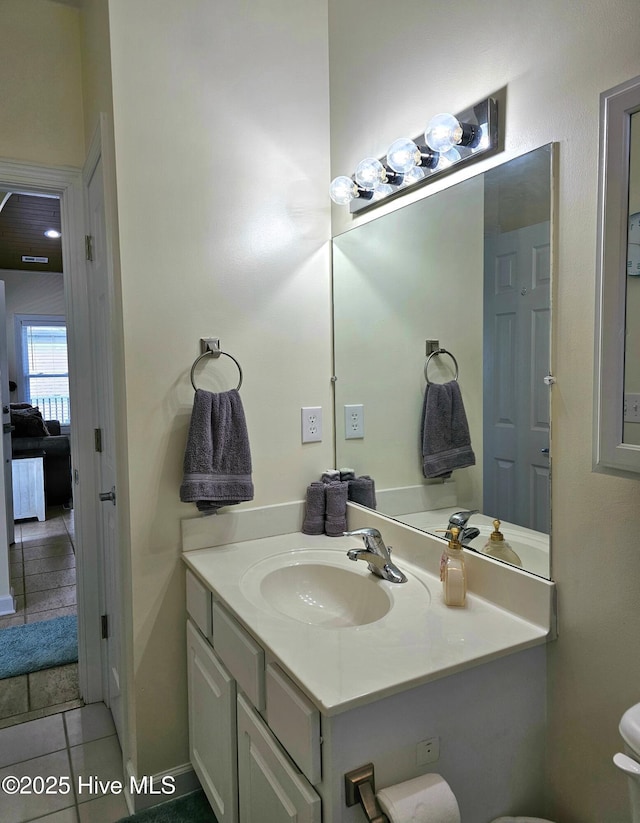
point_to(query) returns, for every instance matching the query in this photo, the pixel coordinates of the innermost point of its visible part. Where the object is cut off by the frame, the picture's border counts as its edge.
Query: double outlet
(311, 423)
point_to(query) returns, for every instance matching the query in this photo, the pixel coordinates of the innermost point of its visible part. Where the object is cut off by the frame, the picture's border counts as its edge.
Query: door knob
(544, 451)
(110, 495)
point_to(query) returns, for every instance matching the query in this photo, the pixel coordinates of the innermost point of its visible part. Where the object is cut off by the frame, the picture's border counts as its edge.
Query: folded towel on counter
(362, 490)
(315, 509)
(217, 459)
(347, 474)
(335, 523)
(330, 476)
(446, 443)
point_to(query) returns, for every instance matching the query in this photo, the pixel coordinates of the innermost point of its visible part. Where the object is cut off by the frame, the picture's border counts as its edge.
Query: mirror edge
(610, 453)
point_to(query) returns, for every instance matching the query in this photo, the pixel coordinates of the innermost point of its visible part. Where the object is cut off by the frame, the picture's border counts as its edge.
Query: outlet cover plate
(354, 421)
(311, 422)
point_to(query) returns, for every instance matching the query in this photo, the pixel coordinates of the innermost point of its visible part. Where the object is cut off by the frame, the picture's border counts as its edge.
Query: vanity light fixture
(449, 140)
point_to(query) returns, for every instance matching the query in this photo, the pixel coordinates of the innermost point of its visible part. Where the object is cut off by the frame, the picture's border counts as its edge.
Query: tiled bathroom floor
(43, 578)
(67, 754)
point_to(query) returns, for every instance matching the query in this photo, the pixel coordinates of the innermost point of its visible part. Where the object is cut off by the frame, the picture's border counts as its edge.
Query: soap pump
(452, 571)
(496, 546)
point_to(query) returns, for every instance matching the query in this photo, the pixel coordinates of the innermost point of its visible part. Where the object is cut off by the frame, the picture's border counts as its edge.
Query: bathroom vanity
(303, 666)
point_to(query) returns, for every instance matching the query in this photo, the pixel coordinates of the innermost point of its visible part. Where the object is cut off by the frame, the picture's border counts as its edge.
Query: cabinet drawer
(240, 653)
(295, 721)
(199, 604)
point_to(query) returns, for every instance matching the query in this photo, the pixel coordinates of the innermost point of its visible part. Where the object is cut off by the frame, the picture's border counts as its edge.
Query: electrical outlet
(428, 751)
(632, 408)
(354, 422)
(311, 417)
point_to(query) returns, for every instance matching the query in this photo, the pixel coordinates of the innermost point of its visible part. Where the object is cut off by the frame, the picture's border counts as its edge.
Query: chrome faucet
(459, 520)
(377, 555)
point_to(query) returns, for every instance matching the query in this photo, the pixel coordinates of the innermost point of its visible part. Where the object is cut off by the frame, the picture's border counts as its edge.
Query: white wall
(29, 293)
(554, 58)
(221, 141)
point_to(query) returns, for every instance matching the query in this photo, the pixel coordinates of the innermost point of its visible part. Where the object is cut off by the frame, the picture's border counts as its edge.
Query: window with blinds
(44, 368)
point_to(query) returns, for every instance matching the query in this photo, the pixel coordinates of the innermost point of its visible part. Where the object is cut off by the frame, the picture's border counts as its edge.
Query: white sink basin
(316, 588)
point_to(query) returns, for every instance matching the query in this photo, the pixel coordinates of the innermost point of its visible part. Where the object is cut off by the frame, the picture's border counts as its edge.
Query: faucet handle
(362, 533)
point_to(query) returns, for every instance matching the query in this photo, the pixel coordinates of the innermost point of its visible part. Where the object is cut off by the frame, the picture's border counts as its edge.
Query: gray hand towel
(330, 476)
(314, 513)
(446, 443)
(362, 490)
(217, 459)
(335, 523)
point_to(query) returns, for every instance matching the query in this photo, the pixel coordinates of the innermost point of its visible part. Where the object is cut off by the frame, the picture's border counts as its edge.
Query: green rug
(190, 808)
(37, 646)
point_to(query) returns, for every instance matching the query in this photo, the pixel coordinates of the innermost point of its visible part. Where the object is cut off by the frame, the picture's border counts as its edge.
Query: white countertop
(420, 639)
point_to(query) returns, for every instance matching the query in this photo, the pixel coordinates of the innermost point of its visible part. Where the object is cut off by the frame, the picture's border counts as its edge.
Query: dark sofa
(32, 435)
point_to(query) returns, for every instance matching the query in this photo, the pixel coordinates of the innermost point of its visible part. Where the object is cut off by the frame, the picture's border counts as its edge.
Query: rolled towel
(314, 513)
(335, 522)
(362, 490)
(347, 474)
(330, 476)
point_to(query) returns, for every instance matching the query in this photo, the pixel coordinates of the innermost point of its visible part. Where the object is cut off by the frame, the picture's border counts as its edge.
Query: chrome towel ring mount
(210, 346)
(435, 351)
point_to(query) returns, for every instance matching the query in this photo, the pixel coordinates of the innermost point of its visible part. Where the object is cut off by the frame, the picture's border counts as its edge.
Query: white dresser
(28, 486)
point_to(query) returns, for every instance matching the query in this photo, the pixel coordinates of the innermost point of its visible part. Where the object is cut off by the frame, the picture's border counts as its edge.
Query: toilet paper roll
(425, 799)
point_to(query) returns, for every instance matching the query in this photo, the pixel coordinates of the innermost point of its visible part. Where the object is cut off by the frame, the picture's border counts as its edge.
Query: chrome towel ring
(211, 347)
(433, 354)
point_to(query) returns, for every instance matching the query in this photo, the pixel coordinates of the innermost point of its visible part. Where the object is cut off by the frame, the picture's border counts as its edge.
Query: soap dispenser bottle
(452, 571)
(496, 546)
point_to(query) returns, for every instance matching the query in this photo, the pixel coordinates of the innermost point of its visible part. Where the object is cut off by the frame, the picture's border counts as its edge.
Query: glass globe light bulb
(403, 155)
(448, 158)
(413, 175)
(370, 174)
(443, 132)
(343, 190)
(382, 191)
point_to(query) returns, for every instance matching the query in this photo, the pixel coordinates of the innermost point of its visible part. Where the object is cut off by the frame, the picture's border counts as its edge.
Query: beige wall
(40, 67)
(221, 141)
(554, 59)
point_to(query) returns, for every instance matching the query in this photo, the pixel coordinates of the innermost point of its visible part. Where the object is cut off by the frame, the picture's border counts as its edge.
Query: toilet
(629, 762)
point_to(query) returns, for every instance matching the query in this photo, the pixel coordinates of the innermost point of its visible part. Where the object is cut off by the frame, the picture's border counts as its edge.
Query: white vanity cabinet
(245, 771)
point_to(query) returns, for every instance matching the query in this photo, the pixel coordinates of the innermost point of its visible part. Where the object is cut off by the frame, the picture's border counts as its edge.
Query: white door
(7, 603)
(6, 416)
(517, 315)
(100, 312)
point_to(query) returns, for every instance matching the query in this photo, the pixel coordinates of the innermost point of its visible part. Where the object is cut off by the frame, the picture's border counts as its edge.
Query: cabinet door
(212, 726)
(271, 789)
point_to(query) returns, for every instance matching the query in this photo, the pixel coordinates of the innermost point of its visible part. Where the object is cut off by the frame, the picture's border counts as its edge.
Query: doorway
(76, 529)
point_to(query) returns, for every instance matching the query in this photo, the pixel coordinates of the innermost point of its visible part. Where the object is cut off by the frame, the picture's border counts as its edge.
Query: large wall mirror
(470, 267)
(617, 433)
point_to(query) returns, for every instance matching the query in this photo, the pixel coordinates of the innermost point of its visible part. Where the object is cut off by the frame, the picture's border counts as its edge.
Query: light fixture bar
(483, 120)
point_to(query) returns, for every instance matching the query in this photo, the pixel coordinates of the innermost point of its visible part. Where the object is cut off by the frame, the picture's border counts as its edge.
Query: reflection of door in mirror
(416, 274)
(517, 313)
(631, 429)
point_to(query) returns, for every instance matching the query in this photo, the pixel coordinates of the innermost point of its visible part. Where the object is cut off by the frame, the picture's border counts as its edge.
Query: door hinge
(88, 247)
(105, 626)
(97, 439)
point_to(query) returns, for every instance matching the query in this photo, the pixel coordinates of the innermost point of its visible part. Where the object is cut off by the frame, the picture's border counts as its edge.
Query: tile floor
(43, 579)
(66, 754)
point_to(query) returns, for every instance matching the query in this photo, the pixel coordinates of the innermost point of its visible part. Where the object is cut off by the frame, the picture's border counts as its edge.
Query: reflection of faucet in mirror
(459, 520)
(377, 555)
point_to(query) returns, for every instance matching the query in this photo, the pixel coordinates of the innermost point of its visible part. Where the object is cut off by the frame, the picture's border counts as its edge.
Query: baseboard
(152, 790)
(7, 604)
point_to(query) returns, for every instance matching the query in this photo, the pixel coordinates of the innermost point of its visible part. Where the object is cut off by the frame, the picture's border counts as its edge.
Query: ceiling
(23, 220)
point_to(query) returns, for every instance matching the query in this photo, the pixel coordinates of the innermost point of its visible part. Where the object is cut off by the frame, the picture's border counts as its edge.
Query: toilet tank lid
(630, 727)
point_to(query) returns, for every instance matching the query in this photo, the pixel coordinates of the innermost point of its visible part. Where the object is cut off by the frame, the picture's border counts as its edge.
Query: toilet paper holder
(360, 787)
